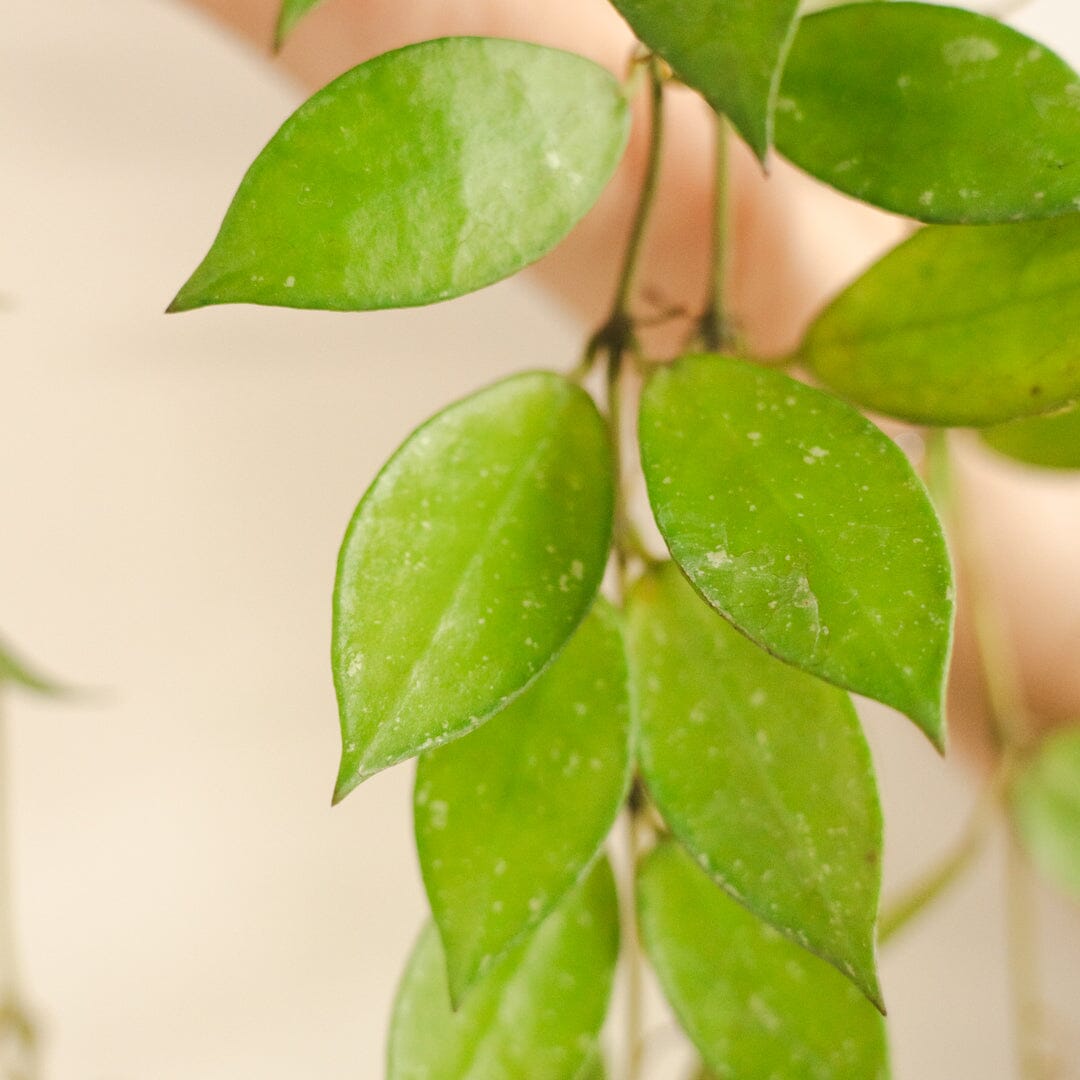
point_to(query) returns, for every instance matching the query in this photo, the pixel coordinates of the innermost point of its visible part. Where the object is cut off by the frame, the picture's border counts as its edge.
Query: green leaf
(802, 524)
(755, 1005)
(732, 51)
(289, 14)
(16, 672)
(594, 1067)
(537, 1013)
(509, 818)
(1050, 441)
(467, 565)
(761, 771)
(1045, 802)
(423, 174)
(959, 326)
(934, 112)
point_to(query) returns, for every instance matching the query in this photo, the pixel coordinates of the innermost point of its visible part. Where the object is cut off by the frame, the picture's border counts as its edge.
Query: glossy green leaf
(510, 817)
(15, 672)
(802, 524)
(467, 565)
(732, 51)
(289, 14)
(538, 1012)
(1045, 803)
(423, 174)
(762, 772)
(959, 326)
(756, 1006)
(934, 112)
(1052, 442)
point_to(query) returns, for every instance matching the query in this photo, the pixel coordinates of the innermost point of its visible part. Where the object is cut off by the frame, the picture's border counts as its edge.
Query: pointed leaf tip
(805, 526)
(509, 818)
(425, 173)
(754, 1004)
(761, 771)
(467, 566)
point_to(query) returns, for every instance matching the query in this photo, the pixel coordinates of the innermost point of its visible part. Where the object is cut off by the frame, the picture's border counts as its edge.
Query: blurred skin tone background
(174, 492)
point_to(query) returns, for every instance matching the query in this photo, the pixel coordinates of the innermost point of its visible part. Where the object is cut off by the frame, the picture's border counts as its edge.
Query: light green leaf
(15, 672)
(762, 772)
(802, 524)
(732, 51)
(467, 565)
(538, 1012)
(423, 174)
(959, 326)
(1050, 441)
(1045, 803)
(594, 1067)
(289, 14)
(510, 817)
(755, 1005)
(934, 112)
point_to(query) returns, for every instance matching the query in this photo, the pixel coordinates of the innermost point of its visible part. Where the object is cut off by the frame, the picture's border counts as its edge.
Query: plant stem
(635, 974)
(1012, 730)
(1023, 964)
(17, 1035)
(615, 340)
(715, 333)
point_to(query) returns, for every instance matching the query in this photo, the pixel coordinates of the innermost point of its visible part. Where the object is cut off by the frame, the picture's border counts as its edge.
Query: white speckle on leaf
(969, 50)
(500, 868)
(926, 198)
(438, 813)
(290, 281)
(718, 558)
(577, 569)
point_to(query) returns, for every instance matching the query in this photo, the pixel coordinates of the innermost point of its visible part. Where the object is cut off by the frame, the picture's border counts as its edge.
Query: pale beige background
(173, 493)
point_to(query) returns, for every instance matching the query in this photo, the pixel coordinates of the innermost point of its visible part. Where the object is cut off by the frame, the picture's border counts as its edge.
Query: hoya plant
(561, 654)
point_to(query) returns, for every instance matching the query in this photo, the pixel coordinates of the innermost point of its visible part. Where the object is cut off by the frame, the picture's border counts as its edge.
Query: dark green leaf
(1050, 441)
(421, 175)
(761, 772)
(756, 1006)
(1045, 802)
(934, 112)
(15, 672)
(509, 818)
(959, 326)
(537, 1013)
(468, 564)
(732, 51)
(804, 525)
(289, 14)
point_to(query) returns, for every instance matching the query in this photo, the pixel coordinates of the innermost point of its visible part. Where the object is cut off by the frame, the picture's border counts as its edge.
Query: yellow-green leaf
(761, 771)
(536, 1015)
(732, 51)
(801, 523)
(1044, 798)
(756, 1006)
(510, 817)
(934, 112)
(1052, 442)
(960, 325)
(423, 174)
(467, 566)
